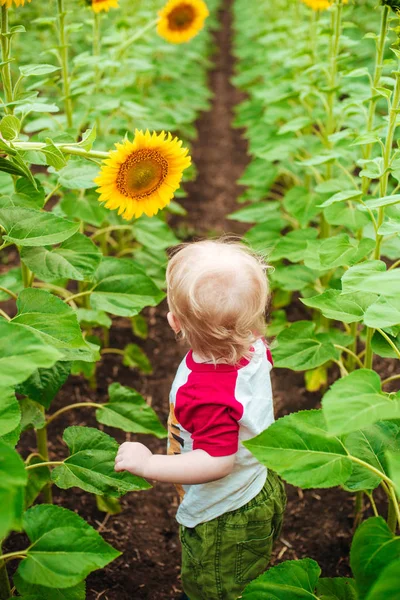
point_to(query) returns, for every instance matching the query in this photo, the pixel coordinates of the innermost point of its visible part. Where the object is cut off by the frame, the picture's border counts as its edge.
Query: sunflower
(9, 3)
(181, 20)
(142, 176)
(102, 5)
(320, 4)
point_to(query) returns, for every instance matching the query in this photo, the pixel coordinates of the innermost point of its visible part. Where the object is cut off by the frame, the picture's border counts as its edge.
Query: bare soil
(318, 523)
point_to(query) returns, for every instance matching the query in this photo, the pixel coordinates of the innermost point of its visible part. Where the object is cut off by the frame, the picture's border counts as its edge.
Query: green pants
(220, 557)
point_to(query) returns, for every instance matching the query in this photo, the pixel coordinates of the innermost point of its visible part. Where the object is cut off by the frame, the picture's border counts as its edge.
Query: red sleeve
(207, 408)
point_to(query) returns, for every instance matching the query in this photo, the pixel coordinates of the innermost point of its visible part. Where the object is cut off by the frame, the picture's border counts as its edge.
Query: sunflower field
(122, 126)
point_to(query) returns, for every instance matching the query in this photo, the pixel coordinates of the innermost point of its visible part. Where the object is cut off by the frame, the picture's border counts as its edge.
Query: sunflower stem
(135, 37)
(6, 59)
(63, 42)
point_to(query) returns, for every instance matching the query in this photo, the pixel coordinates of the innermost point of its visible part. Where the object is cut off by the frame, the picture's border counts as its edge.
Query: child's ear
(173, 322)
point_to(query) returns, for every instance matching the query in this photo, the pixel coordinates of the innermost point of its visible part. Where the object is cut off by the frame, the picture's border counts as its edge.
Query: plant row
(321, 119)
(83, 81)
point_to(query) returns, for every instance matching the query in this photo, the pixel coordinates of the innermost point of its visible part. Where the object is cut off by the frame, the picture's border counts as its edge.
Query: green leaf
(10, 413)
(10, 127)
(12, 280)
(13, 478)
(64, 550)
(44, 384)
(393, 460)
(370, 446)
(154, 233)
(293, 277)
(387, 282)
(111, 506)
(385, 201)
(77, 258)
(341, 197)
(342, 250)
(258, 212)
(54, 157)
(27, 227)
(355, 276)
(299, 449)
(122, 289)
(32, 414)
(78, 592)
(337, 588)
(300, 348)
(11, 167)
(90, 317)
(357, 401)
(348, 308)
(55, 322)
(88, 139)
(78, 174)
(293, 245)
(139, 327)
(36, 70)
(135, 358)
(91, 465)
(295, 124)
(293, 579)
(387, 585)
(381, 347)
(301, 204)
(385, 312)
(128, 411)
(21, 353)
(37, 479)
(374, 547)
(86, 208)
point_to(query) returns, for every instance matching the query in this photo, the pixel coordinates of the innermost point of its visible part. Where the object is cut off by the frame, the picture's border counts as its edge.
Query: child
(231, 507)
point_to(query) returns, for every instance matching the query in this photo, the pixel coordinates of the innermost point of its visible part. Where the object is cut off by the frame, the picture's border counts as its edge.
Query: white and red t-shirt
(214, 408)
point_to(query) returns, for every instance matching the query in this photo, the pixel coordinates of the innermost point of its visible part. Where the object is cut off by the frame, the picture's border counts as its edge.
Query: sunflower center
(181, 17)
(142, 173)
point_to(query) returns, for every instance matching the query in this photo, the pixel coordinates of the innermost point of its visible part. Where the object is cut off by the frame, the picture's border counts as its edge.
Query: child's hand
(133, 457)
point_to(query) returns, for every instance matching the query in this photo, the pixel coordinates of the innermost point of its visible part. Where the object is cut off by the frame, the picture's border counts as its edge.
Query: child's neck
(199, 358)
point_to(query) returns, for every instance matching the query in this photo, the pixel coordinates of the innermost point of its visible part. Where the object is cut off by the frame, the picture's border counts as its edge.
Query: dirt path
(317, 523)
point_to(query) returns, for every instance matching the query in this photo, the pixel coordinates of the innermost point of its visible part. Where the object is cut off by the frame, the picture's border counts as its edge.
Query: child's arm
(189, 468)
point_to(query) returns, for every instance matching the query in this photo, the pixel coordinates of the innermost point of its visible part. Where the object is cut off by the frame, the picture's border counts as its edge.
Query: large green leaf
(55, 322)
(64, 548)
(385, 312)
(21, 353)
(299, 449)
(387, 282)
(43, 385)
(91, 465)
(337, 588)
(293, 245)
(27, 227)
(357, 401)
(374, 547)
(294, 277)
(387, 585)
(78, 592)
(10, 413)
(78, 174)
(348, 308)
(342, 250)
(77, 258)
(257, 212)
(291, 580)
(128, 410)
(86, 208)
(354, 277)
(154, 233)
(125, 295)
(13, 479)
(302, 204)
(371, 445)
(300, 348)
